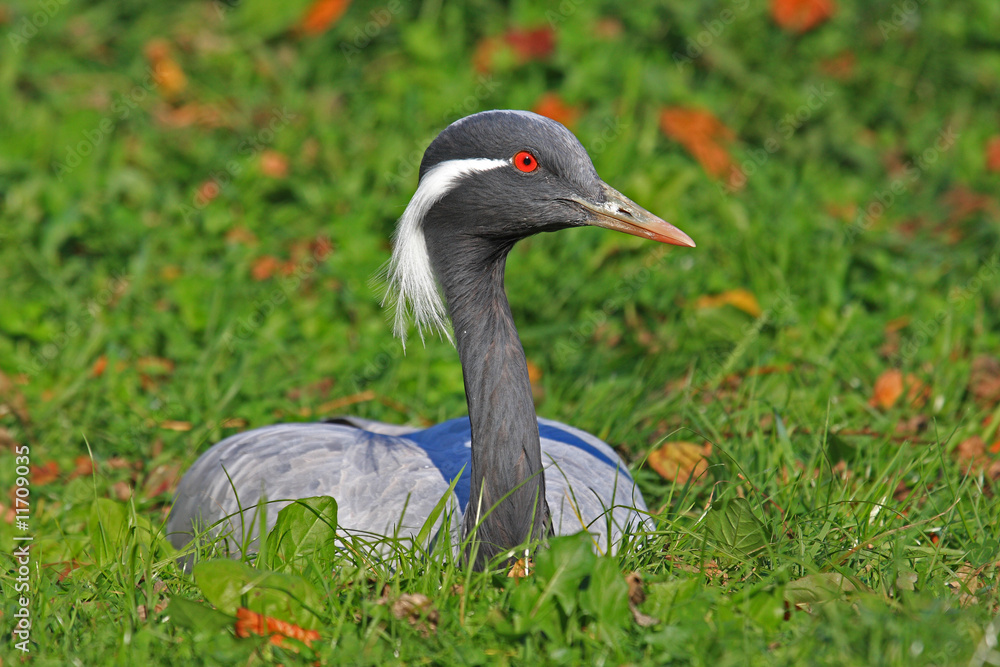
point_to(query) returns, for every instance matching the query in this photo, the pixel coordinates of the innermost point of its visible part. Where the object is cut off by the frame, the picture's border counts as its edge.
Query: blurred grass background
(194, 198)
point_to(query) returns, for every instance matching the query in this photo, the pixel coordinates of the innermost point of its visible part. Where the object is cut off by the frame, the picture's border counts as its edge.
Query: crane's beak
(620, 213)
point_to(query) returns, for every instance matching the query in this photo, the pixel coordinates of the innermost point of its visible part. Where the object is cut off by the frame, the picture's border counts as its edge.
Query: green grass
(106, 251)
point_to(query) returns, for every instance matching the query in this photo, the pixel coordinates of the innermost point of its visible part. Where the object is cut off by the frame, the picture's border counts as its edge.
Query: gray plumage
(486, 182)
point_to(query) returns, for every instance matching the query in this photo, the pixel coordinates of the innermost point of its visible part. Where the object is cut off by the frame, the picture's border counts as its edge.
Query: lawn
(195, 197)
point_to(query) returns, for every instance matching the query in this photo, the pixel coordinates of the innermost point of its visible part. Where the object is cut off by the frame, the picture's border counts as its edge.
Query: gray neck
(508, 488)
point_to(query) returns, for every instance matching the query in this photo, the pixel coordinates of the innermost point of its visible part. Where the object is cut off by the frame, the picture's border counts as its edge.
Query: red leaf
(526, 44)
(322, 14)
(801, 15)
(552, 106)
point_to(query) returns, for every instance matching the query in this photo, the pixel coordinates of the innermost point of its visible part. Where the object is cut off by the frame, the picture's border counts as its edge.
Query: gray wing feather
(384, 483)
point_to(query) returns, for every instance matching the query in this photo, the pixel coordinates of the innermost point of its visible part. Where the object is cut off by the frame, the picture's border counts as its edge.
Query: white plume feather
(412, 288)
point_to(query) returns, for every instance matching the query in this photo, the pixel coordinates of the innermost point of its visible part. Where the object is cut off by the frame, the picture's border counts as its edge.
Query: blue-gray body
(387, 479)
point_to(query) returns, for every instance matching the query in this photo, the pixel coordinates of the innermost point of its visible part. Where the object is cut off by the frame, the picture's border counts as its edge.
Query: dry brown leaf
(738, 298)
(963, 203)
(704, 136)
(418, 610)
(801, 15)
(251, 623)
(636, 593)
(175, 425)
(12, 400)
(265, 267)
(234, 422)
(993, 154)
(121, 490)
(984, 380)
(552, 106)
(520, 569)
(161, 479)
(189, 114)
(83, 466)
(45, 473)
(681, 461)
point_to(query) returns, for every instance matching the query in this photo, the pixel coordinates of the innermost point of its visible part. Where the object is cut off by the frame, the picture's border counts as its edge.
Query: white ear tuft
(411, 286)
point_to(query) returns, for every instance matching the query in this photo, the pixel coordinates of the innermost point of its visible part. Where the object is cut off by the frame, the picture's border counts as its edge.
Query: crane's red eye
(525, 162)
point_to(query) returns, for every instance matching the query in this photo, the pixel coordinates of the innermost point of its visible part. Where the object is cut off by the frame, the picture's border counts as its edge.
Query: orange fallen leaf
(681, 461)
(321, 15)
(273, 164)
(97, 370)
(840, 66)
(703, 136)
(45, 473)
(738, 298)
(167, 74)
(801, 15)
(265, 267)
(241, 235)
(83, 466)
(251, 623)
(552, 106)
(889, 388)
(993, 154)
